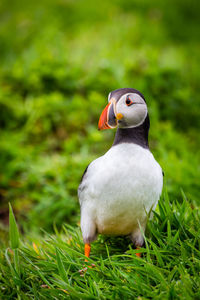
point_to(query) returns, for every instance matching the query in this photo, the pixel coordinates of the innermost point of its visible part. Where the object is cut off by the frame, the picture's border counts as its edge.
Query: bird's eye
(128, 101)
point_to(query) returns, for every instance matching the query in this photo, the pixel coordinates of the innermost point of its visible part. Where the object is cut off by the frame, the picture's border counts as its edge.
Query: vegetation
(59, 61)
(54, 267)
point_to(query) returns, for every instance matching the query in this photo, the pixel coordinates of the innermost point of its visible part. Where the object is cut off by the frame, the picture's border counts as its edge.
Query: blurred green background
(59, 61)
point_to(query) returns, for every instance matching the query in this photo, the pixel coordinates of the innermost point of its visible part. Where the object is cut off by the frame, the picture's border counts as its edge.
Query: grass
(168, 269)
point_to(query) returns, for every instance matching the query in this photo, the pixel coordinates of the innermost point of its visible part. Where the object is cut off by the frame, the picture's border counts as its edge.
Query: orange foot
(138, 254)
(87, 254)
(87, 251)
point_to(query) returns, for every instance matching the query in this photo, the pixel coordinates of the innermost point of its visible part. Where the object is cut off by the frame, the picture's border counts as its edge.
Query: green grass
(168, 269)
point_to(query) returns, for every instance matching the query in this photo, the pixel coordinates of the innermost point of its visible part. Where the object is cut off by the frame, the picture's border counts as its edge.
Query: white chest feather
(120, 188)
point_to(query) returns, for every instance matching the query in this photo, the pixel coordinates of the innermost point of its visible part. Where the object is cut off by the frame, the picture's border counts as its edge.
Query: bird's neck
(136, 135)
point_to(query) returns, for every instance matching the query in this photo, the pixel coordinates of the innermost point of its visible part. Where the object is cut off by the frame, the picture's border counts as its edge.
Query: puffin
(120, 189)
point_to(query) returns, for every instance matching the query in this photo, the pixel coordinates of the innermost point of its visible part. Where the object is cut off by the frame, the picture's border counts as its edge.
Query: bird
(120, 189)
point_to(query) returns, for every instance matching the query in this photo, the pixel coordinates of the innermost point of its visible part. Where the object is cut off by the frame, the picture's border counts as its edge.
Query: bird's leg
(138, 254)
(87, 251)
(87, 254)
(88, 228)
(138, 240)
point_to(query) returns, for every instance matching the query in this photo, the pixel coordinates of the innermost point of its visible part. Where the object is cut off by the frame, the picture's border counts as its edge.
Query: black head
(117, 94)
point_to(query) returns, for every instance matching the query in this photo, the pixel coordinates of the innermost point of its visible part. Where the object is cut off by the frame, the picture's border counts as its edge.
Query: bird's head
(126, 109)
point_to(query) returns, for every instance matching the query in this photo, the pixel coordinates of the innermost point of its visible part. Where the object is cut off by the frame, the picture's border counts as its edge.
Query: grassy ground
(59, 61)
(49, 267)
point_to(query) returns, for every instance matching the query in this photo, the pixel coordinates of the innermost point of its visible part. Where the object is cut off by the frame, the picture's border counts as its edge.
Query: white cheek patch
(134, 115)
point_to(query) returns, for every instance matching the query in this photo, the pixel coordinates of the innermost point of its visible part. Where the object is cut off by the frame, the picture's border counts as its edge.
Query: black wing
(81, 185)
(84, 174)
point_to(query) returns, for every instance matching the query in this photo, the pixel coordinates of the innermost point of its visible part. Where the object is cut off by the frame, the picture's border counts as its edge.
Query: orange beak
(103, 120)
(107, 119)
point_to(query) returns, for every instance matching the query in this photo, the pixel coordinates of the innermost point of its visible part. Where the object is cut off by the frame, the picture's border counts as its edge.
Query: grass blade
(13, 230)
(61, 267)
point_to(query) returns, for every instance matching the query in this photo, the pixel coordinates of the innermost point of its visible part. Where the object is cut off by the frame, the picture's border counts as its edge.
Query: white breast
(120, 188)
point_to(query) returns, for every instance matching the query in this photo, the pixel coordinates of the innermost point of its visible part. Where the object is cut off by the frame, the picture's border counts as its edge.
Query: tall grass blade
(13, 230)
(61, 267)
